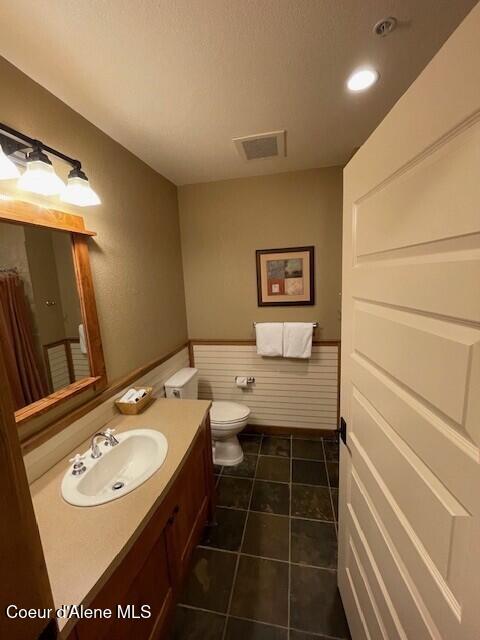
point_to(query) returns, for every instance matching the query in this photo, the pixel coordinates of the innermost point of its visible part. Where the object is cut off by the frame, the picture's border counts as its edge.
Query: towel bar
(315, 324)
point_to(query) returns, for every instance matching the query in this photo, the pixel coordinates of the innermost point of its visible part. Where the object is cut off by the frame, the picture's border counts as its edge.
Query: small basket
(132, 408)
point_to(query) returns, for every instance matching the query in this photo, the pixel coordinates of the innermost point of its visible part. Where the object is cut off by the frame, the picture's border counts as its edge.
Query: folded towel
(269, 338)
(81, 335)
(297, 339)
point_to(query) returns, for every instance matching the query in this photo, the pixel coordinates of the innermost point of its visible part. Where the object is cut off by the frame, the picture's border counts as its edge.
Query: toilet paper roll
(242, 381)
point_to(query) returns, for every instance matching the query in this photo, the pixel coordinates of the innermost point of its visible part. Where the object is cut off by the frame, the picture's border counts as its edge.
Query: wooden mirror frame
(25, 213)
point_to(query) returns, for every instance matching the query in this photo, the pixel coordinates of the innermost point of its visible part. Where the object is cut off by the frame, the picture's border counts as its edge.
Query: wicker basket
(132, 408)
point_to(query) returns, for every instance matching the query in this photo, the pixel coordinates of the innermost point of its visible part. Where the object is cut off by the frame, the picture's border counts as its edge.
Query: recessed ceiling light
(362, 79)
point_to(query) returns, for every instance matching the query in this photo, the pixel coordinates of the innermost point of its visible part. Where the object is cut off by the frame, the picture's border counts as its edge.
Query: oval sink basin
(118, 471)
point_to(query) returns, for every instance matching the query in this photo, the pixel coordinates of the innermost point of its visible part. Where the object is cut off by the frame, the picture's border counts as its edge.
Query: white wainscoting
(58, 366)
(287, 392)
(81, 366)
(71, 439)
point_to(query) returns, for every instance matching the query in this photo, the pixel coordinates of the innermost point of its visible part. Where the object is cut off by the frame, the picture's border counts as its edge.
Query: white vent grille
(261, 145)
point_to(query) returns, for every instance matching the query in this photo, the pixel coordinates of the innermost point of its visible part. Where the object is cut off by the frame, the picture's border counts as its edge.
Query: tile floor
(267, 571)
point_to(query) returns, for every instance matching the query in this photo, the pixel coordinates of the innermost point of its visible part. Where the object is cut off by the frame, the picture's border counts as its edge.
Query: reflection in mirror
(40, 316)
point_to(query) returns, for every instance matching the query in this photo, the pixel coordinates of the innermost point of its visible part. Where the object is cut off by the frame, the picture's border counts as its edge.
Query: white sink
(119, 470)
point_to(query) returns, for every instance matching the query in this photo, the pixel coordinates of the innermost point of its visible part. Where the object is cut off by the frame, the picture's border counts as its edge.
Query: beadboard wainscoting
(65, 363)
(81, 366)
(45, 456)
(287, 393)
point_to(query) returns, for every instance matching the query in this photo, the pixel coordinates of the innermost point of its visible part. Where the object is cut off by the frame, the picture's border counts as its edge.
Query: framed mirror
(49, 328)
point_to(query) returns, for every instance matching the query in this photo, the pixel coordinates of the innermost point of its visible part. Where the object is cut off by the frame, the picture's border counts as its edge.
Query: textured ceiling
(175, 80)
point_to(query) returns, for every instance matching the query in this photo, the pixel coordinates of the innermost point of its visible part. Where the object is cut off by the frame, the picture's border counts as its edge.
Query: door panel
(422, 499)
(409, 533)
(378, 333)
(394, 216)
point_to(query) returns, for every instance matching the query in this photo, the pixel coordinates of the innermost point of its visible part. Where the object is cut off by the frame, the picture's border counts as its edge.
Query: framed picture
(285, 276)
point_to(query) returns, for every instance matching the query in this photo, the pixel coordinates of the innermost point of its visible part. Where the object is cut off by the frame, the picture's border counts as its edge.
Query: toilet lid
(228, 411)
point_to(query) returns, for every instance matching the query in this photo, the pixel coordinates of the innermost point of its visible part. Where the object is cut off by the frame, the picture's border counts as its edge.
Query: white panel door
(409, 537)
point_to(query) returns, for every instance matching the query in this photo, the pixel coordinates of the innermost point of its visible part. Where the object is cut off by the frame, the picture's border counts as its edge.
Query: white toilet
(227, 419)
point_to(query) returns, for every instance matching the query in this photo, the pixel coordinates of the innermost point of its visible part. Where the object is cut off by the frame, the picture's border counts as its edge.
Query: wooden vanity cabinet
(154, 569)
(191, 497)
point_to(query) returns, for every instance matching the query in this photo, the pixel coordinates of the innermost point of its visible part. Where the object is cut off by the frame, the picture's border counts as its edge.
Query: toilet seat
(227, 426)
(225, 413)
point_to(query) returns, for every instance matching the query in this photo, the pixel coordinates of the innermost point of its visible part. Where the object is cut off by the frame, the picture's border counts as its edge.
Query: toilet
(227, 419)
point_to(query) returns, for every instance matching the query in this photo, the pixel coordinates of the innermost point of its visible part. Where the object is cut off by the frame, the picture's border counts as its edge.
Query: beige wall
(72, 314)
(223, 223)
(44, 278)
(136, 256)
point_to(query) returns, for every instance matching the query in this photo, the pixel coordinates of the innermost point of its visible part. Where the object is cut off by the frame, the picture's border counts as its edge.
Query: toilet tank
(183, 384)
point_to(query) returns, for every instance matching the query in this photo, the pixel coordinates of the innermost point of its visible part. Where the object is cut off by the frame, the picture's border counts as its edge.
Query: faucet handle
(112, 440)
(78, 464)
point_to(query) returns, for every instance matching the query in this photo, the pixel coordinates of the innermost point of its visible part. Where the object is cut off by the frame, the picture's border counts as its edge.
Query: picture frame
(286, 277)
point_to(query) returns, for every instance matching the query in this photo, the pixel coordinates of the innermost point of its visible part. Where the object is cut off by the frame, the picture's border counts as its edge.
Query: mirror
(40, 313)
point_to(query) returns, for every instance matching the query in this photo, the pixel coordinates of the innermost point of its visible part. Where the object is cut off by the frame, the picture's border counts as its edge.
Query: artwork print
(285, 276)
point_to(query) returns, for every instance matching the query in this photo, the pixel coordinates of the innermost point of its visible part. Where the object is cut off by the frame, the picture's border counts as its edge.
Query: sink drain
(117, 486)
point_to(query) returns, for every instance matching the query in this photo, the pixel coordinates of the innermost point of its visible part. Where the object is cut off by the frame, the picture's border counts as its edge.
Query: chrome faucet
(110, 440)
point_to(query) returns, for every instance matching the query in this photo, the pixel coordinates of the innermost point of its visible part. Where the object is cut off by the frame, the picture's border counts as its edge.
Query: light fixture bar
(40, 176)
(38, 144)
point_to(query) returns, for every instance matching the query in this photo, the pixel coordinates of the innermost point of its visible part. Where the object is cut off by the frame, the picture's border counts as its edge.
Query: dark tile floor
(267, 570)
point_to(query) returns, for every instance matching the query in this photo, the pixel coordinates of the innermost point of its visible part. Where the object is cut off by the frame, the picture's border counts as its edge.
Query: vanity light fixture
(78, 190)
(362, 79)
(39, 176)
(8, 170)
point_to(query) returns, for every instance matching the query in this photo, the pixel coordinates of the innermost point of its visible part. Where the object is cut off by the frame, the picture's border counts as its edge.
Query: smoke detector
(262, 145)
(383, 27)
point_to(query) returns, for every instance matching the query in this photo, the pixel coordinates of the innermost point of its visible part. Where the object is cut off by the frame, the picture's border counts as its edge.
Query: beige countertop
(83, 545)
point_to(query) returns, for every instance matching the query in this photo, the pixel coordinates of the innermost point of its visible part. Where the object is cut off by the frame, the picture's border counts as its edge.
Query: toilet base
(227, 452)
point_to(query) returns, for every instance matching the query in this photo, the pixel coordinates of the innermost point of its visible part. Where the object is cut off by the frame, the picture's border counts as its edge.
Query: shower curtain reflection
(24, 374)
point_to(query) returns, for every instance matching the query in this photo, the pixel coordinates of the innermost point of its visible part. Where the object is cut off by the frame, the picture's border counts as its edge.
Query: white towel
(269, 338)
(297, 339)
(81, 335)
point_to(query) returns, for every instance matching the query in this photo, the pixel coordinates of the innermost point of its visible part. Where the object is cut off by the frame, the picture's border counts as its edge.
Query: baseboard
(272, 430)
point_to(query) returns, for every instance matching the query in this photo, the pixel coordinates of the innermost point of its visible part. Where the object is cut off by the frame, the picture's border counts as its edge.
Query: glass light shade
(362, 79)
(40, 177)
(8, 170)
(79, 192)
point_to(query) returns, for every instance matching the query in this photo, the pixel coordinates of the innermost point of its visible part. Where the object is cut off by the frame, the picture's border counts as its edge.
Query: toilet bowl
(227, 419)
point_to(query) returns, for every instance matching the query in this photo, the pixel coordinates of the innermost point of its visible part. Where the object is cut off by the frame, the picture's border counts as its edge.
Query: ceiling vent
(262, 145)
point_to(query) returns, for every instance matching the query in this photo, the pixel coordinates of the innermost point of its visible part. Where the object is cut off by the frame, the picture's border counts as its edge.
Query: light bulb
(40, 176)
(8, 170)
(362, 79)
(78, 190)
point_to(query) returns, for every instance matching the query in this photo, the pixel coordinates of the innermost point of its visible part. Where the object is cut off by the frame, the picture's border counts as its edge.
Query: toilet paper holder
(250, 379)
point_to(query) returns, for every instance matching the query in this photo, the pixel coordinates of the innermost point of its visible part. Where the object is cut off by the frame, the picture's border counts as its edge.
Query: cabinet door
(190, 513)
(150, 587)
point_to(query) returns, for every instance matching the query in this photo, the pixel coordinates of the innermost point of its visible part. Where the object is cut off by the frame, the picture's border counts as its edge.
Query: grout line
(218, 477)
(272, 455)
(269, 455)
(252, 555)
(278, 515)
(261, 622)
(305, 484)
(224, 634)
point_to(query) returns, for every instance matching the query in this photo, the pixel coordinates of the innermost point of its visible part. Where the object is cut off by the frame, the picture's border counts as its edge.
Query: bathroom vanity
(134, 550)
